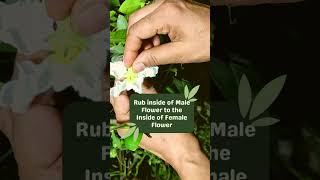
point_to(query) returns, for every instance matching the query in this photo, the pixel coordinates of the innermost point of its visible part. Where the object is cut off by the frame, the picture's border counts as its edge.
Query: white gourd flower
(76, 61)
(126, 79)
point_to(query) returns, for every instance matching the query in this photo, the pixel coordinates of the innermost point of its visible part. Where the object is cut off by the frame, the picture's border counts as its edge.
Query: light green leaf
(193, 100)
(131, 124)
(122, 22)
(267, 96)
(129, 132)
(116, 142)
(112, 15)
(267, 121)
(193, 92)
(244, 96)
(186, 92)
(117, 50)
(116, 58)
(113, 153)
(113, 24)
(136, 134)
(118, 36)
(132, 144)
(129, 6)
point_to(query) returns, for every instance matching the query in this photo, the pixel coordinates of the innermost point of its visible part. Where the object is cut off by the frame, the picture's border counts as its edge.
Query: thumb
(170, 53)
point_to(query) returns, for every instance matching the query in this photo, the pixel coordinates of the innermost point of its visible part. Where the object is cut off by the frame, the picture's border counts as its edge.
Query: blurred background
(266, 41)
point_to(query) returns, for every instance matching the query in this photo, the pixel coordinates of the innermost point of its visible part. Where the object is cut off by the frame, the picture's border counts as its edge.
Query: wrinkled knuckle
(132, 17)
(122, 117)
(175, 7)
(132, 29)
(182, 58)
(151, 59)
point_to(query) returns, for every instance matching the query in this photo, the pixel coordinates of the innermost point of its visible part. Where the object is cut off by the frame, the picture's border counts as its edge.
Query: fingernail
(138, 67)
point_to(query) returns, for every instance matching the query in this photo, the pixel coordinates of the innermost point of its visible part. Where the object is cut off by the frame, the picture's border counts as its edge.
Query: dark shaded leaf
(267, 121)
(267, 96)
(244, 96)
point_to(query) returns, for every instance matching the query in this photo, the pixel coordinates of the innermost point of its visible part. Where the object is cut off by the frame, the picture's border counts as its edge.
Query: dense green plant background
(265, 39)
(140, 164)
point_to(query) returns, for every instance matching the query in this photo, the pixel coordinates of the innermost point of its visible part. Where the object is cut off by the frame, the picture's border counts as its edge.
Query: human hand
(180, 150)
(186, 23)
(87, 16)
(36, 135)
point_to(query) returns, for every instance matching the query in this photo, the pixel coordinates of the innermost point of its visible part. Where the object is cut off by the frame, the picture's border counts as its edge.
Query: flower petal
(150, 71)
(117, 89)
(118, 69)
(25, 25)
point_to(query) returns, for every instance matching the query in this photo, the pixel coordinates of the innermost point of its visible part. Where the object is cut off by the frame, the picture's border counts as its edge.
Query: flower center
(131, 76)
(66, 44)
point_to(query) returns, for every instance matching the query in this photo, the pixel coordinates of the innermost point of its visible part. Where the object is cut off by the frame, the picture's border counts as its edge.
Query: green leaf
(193, 92)
(267, 121)
(225, 79)
(244, 96)
(116, 142)
(180, 84)
(132, 144)
(131, 124)
(114, 3)
(129, 6)
(113, 153)
(174, 70)
(112, 15)
(267, 96)
(129, 132)
(118, 36)
(169, 90)
(227, 75)
(122, 22)
(136, 134)
(186, 92)
(193, 100)
(113, 24)
(116, 58)
(117, 50)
